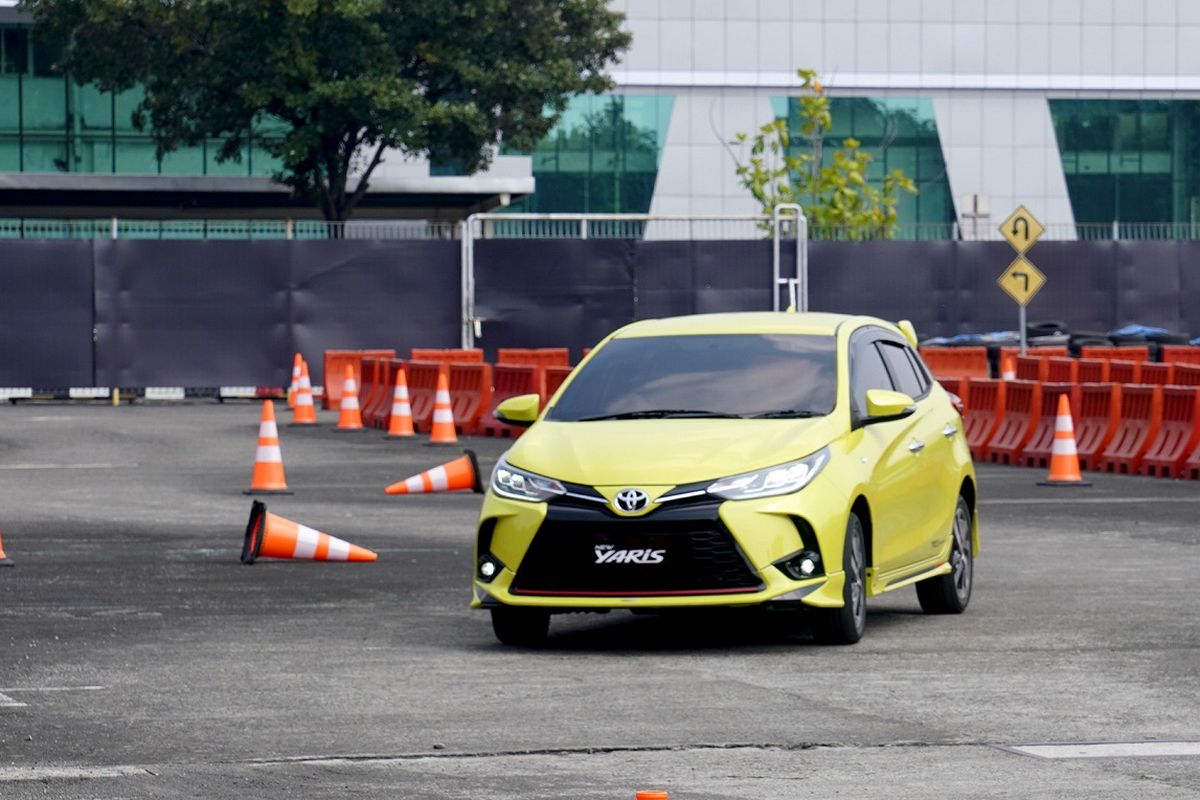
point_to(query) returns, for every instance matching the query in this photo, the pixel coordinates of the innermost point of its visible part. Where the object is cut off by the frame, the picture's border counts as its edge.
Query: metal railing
(224, 229)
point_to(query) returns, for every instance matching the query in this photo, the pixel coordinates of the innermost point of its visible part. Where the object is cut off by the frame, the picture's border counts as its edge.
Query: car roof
(810, 323)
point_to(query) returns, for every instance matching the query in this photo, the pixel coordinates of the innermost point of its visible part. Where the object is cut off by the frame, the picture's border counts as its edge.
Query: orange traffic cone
(1008, 369)
(5, 561)
(1064, 460)
(295, 387)
(401, 423)
(275, 537)
(461, 473)
(304, 412)
(268, 461)
(351, 418)
(443, 416)
(651, 795)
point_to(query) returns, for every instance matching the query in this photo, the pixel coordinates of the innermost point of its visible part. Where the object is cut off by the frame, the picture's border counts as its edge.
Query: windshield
(736, 375)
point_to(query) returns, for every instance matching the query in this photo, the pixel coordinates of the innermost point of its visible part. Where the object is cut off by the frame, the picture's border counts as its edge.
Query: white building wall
(988, 65)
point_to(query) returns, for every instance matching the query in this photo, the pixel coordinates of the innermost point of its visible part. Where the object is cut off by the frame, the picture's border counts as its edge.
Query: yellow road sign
(1021, 280)
(1021, 229)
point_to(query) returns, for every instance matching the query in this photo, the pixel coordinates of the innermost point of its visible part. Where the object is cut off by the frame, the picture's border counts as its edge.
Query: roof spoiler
(908, 330)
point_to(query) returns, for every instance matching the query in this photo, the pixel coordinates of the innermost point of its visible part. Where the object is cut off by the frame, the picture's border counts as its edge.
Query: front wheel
(845, 625)
(950, 594)
(520, 627)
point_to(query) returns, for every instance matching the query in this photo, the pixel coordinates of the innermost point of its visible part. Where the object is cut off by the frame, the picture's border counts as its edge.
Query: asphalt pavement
(140, 659)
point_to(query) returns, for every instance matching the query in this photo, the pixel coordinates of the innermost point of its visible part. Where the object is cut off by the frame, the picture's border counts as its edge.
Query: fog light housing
(489, 567)
(802, 566)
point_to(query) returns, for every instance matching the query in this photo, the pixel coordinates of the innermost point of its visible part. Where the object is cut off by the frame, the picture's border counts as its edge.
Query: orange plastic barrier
(1096, 421)
(511, 380)
(448, 356)
(1140, 418)
(335, 368)
(422, 379)
(1022, 410)
(1185, 374)
(1137, 353)
(377, 414)
(1091, 370)
(1037, 450)
(1124, 371)
(985, 410)
(373, 370)
(1178, 434)
(956, 362)
(1031, 368)
(1179, 354)
(1157, 374)
(1053, 351)
(554, 379)
(1061, 370)
(470, 394)
(544, 356)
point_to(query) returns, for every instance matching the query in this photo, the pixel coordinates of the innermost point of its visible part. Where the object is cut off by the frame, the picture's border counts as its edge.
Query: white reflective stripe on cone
(442, 399)
(268, 452)
(350, 386)
(443, 415)
(350, 402)
(401, 393)
(1063, 447)
(304, 399)
(401, 409)
(268, 430)
(414, 484)
(438, 479)
(306, 542)
(1063, 424)
(338, 550)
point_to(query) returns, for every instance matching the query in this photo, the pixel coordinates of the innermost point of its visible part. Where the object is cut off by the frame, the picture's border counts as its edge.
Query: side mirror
(521, 410)
(884, 406)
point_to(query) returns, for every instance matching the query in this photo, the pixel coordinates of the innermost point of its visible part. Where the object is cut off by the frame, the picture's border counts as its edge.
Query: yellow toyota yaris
(753, 459)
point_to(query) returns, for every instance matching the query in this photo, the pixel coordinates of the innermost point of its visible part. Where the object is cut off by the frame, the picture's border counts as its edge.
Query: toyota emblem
(630, 500)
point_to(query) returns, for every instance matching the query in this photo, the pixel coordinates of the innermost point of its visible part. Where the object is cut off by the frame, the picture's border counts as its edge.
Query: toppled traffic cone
(271, 536)
(5, 561)
(400, 425)
(1008, 368)
(443, 432)
(350, 418)
(304, 412)
(295, 387)
(1064, 459)
(268, 460)
(461, 473)
(651, 795)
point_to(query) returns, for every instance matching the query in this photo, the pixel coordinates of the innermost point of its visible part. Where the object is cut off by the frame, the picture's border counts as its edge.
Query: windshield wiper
(786, 413)
(661, 413)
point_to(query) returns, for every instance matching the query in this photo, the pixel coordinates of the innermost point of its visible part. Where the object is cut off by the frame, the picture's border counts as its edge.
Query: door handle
(916, 447)
(949, 431)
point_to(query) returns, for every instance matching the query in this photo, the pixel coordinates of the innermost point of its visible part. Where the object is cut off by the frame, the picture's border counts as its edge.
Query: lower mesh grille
(634, 557)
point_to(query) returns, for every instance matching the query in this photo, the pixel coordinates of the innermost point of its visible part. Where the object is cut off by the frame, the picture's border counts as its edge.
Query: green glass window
(902, 134)
(602, 156)
(1130, 160)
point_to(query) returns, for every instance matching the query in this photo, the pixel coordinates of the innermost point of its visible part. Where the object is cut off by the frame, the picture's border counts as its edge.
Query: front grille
(698, 555)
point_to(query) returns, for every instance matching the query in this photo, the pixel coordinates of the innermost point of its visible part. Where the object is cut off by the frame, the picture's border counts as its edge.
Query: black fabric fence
(213, 313)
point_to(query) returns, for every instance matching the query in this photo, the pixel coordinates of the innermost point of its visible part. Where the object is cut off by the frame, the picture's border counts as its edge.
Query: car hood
(664, 452)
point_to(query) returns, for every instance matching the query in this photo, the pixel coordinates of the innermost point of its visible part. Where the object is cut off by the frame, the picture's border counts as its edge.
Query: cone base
(6, 562)
(400, 436)
(301, 424)
(267, 491)
(348, 430)
(1064, 483)
(440, 444)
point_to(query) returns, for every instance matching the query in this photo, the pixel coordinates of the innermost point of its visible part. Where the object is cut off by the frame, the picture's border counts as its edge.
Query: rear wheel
(950, 594)
(520, 627)
(845, 625)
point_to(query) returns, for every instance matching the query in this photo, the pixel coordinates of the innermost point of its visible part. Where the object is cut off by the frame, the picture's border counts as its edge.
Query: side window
(867, 372)
(922, 374)
(904, 373)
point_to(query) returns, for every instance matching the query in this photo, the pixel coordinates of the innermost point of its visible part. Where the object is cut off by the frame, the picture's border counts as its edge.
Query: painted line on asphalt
(1108, 750)
(65, 466)
(69, 773)
(1064, 499)
(8, 702)
(19, 689)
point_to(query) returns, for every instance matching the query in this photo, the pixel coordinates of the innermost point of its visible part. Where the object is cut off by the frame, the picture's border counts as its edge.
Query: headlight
(517, 484)
(772, 481)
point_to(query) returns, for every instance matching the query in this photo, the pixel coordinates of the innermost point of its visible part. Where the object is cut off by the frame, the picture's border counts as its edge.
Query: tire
(950, 594)
(845, 625)
(520, 627)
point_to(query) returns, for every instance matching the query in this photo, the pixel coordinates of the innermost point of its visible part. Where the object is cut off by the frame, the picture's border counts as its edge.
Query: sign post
(1022, 280)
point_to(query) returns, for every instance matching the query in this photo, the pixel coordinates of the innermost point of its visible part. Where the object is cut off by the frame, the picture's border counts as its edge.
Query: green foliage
(836, 195)
(340, 81)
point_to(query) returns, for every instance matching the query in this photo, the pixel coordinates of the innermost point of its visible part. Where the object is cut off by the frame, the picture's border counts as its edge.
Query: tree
(341, 80)
(836, 195)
